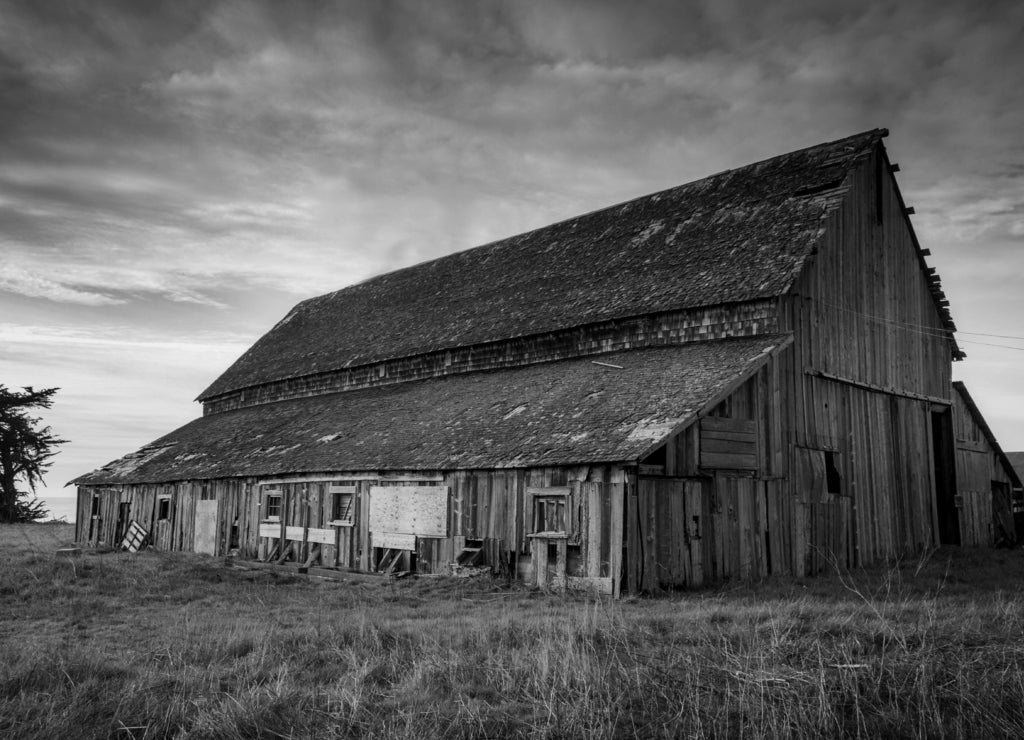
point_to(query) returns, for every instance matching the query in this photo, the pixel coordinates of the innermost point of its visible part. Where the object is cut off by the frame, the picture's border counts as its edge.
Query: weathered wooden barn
(745, 375)
(988, 486)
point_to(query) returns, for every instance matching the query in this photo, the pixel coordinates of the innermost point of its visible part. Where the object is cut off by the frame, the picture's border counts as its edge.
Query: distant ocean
(60, 507)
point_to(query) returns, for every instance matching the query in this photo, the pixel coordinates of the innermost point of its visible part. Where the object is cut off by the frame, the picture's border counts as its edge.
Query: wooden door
(205, 537)
(665, 523)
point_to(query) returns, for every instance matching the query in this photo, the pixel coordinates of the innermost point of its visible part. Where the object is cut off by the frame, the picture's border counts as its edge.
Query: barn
(990, 500)
(745, 375)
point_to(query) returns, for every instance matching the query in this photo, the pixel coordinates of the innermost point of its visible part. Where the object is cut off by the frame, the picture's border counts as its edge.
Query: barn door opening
(943, 458)
(95, 520)
(122, 521)
(1003, 529)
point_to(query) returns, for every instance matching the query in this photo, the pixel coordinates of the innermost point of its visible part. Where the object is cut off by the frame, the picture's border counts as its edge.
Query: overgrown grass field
(161, 645)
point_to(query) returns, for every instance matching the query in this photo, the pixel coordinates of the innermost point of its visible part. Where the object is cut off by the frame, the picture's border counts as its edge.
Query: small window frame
(550, 513)
(163, 508)
(343, 506)
(273, 503)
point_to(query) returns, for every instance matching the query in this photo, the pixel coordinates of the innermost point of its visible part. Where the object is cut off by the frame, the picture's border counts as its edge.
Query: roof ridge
(879, 133)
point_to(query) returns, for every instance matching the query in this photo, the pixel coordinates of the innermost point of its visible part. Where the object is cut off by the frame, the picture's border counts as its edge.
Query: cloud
(25, 283)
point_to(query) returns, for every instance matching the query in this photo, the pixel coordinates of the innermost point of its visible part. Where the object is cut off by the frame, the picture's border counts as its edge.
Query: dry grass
(159, 645)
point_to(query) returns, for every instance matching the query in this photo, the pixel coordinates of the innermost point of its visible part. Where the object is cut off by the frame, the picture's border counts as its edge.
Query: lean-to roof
(739, 235)
(583, 410)
(1016, 459)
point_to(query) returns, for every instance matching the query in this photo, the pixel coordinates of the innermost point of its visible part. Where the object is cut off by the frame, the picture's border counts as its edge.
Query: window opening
(549, 514)
(833, 481)
(164, 508)
(274, 506)
(657, 457)
(341, 508)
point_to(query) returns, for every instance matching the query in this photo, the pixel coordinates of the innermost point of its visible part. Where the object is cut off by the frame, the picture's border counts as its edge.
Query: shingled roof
(740, 235)
(583, 410)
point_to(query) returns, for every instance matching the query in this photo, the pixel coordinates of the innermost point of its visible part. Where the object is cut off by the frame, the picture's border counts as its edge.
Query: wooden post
(618, 490)
(284, 514)
(560, 580)
(539, 548)
(304, 552)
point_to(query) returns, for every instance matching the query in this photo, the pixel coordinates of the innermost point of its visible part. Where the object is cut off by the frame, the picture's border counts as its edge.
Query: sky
(177, 175)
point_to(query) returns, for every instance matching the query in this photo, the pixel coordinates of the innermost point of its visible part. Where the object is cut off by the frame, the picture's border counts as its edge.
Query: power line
(997, 336)
(988, 344)
(929, 331)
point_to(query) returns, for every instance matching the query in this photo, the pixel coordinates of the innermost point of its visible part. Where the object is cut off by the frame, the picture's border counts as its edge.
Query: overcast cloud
(177, 175)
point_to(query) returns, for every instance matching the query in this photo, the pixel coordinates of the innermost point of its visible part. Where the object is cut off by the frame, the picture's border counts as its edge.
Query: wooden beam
(285, 552)
(894, 167)
(881, 389)
(355, 477)
(909, 210)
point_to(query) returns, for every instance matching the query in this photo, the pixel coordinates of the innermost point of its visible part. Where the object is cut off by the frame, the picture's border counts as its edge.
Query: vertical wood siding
(983, 486)
(489, 506)
(869, 359)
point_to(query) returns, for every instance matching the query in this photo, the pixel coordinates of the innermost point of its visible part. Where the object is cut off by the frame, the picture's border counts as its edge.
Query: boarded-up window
(419, 510)
(728, 444)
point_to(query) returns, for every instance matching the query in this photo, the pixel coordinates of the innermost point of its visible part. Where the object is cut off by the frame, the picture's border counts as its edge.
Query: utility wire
(996, 336)
(929, 331)
(989, 344)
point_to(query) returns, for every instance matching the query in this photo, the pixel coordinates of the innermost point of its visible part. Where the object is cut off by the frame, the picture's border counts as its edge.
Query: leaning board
(419, 510)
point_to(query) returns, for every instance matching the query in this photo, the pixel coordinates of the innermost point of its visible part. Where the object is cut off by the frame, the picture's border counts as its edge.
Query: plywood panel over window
(419, 510)
(729, 444)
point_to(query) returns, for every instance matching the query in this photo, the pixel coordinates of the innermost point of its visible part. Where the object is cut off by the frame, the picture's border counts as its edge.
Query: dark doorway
(122, 522)
(95, 522)
(943, 456)
(1004, 530)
